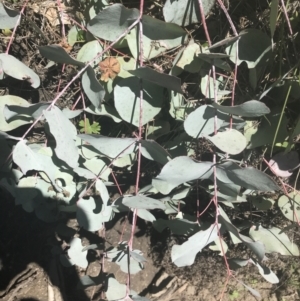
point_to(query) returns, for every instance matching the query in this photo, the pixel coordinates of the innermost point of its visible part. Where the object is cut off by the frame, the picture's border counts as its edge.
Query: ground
(30, 271)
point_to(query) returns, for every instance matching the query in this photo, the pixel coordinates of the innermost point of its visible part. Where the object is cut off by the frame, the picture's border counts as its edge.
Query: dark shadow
(26, 240)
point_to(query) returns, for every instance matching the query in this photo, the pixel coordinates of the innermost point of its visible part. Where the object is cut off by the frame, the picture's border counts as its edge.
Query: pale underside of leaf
(179, 171)
(64, 133)
(184, 255)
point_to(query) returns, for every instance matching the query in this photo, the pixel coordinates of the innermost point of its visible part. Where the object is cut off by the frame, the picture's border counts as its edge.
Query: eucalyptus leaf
(158, 37)
(179, 171)
(115, 290)
(71, 113)
(14, 112)
(283, 163)
(263, 133)
(143, 202)
(230, 141)
(72, 35)
(105, 110)
(236, 263)
(201, 122)
(153, 151)
(127, 160)
(115, 17)
(110, 147)
(274, 240)
(127, 100)
(76, 254)
(160, 79)
(252, 178)
(251, 108)
(146, 215)
(139, 298)
(16, 69)
(266, 272)
(85, 173)
(12, 101)
(87, 281)
(98, 167)
(249, 50)
(177, 226)
(92, 88)
(290, 206)
(64, 133)
(188, 59)
(262, 203)
(27, 202)
(159, 128)
(184, 255)
(137, 256)
(90, 50)
(226, 41)
(219, 245)
(209, 86)
(185, 12)
(57, 54)
(91, 214)
(8, 17)
(101, 188)
(256, 246)
(27, 160)
(120, 257)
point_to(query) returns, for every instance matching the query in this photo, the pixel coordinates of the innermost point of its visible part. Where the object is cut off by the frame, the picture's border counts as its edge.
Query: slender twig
(61, 16)
(15, 28)
(228, 17)
(139, 155)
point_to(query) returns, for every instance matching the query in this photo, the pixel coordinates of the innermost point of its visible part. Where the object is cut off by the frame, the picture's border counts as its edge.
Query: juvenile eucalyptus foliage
(70, 162)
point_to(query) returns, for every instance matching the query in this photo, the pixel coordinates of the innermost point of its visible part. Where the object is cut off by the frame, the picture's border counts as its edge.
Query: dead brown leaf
(50, 10)
(110, 68)
(66, 46)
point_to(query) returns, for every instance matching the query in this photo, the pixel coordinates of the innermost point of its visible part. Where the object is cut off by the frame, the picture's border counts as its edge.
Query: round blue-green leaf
(231, 141)
(16, 69)
(274, 240)
(249, 50)
(112, 21)
(8, 17)
(184, 255)
(290, 206)
(88, 51)
(201, 122)
(64, 133)
(76, 254)
(185, 12)
(86, 216)
(179, 171)
(252, 178)
(14, 101)
(127, 100)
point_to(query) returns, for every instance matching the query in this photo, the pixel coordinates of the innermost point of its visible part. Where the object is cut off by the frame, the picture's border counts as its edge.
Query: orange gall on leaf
(110, 68)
